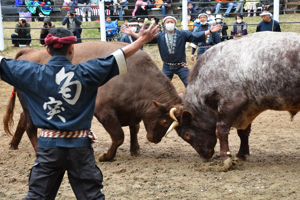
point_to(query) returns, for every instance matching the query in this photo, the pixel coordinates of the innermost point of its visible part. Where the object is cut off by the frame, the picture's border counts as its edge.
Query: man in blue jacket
(61, 100)
(171, 46)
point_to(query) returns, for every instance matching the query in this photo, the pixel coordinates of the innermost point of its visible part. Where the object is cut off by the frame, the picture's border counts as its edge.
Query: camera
(45, 24)
(72, 14)
(23, 21)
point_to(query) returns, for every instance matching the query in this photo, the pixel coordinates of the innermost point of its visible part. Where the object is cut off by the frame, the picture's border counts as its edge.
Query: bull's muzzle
(174, 124)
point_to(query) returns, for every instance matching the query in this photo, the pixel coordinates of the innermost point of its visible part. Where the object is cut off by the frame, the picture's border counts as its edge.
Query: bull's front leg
(134, 144)
(114, 128)
(228, 110)
(222, 134)
(244, 147)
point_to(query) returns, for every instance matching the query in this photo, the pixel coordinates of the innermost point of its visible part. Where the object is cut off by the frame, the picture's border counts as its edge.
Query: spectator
(211, 39)
(192, 11)
(23, 34)
(39, 8)
(73, 24)
(251, 5)
(166, 4)
(111, 28)
(133, 25)
(239, 28)
(223, 31)
(224, 4)
(156, 21)
(61, 100)
(268, 24)
(211, 19)
(266, 4)
(109, 7)
(190, 23)
(120, 4)
(125, 25)
(140, 8)
(171, 46)
(44, 32)
(204, 5)
(239, 7)
(85, 7)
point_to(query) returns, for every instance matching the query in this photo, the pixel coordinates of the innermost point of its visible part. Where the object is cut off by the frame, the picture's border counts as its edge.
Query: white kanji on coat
(55, 108)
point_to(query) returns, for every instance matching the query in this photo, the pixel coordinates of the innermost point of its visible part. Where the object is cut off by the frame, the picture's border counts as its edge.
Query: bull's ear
(186, 116)
(160, 106)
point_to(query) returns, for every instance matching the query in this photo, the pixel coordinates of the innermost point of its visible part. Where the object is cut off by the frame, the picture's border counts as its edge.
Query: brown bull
(143, 93)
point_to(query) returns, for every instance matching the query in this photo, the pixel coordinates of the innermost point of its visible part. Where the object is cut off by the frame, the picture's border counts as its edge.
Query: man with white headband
(61, 100)
(224, 27)
(211, 39)
(268, 24)
(133, 25)
(171, 45)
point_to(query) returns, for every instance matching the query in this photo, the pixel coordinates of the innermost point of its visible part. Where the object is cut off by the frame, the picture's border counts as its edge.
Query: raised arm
(144, 37)
(129, 32)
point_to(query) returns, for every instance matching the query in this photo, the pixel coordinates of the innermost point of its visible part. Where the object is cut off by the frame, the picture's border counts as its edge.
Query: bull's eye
(187, 136)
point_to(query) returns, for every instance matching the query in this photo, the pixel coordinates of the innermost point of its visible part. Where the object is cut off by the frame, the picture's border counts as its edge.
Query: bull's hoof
(228, 163)
(135, 152)
(103, 157)
(13, 148)
(242, 157)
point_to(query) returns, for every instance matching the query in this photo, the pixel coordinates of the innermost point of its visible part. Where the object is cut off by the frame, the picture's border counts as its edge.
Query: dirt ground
(172, 169)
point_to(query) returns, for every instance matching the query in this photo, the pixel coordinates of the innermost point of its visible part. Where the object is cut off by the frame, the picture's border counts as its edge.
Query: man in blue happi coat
(211, 39)
(61, 100)
(171, 46)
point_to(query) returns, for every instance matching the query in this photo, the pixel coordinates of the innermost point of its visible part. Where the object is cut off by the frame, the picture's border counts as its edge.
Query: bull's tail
(8, 120)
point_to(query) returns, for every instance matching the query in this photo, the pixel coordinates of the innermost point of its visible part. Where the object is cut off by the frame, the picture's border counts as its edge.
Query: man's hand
(148, 35)
(215, 28)
(145, 36)
(126, 30)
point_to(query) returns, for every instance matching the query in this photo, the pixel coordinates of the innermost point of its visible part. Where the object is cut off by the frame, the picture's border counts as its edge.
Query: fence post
(1, 31)
(102, 20)
(184, 15)
(276, 10)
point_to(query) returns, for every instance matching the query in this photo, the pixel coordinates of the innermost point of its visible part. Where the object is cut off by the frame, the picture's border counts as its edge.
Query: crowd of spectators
(139, 14)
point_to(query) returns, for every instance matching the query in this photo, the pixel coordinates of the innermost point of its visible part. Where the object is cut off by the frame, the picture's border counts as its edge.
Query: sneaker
(36, 19)
(254, 15)
(249, 15)
(41, 15)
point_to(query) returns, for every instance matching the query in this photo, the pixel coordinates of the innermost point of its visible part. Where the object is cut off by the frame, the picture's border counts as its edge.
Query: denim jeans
(26, 39)
(229, 7)
(121, 9)
(77, 33)
(164, 10)
(182, 72)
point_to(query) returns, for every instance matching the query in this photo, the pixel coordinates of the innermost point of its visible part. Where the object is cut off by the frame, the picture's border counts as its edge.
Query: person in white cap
(224, 27)
(23, 33)
(268, 24)
(211, 40)
(171, 44)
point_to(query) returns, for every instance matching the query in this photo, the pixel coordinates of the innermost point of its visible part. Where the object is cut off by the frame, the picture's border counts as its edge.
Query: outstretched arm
(129, 32)
(144, 37)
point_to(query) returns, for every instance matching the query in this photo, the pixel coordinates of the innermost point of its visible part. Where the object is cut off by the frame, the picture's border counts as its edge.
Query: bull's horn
(172, 114)
(173, 125)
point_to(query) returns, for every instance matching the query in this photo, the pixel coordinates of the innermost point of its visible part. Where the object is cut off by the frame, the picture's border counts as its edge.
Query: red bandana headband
(59, 42)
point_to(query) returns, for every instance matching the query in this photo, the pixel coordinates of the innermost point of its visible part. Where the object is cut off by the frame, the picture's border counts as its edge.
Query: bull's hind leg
(134, 144)
(244, 147)
(114, 128)
(15, 141)
(31, 131)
